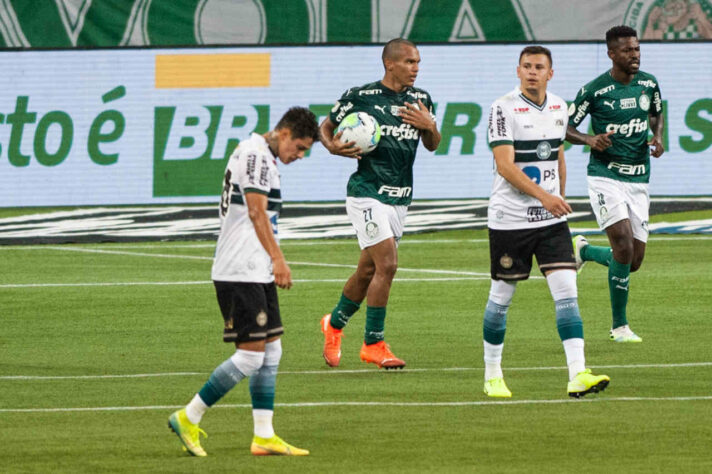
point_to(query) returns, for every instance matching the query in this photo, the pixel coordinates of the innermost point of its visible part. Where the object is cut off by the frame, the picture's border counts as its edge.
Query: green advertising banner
(107, 23)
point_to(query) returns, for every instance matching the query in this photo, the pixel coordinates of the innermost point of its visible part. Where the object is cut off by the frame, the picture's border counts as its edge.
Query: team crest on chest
(543, 150)
(644, 102)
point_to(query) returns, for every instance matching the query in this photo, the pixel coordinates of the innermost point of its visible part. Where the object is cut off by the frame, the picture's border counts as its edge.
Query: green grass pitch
(100, 343)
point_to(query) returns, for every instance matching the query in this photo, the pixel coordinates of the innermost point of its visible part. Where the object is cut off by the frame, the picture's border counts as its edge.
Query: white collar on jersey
(528, 101)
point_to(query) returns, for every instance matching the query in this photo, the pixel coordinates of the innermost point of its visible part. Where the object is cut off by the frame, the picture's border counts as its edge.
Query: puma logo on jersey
(611, 104)
(381, 108)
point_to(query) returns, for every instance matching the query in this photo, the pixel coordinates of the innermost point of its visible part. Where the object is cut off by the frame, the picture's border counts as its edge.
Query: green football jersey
(386, 173)
(622, 109)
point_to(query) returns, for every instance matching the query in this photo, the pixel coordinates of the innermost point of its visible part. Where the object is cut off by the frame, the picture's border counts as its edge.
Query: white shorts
(612, 201)
(374, 221)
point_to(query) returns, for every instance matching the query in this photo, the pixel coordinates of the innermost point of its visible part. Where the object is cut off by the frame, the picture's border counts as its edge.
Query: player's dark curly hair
(621, 31)
(537, 50)
(301, 122)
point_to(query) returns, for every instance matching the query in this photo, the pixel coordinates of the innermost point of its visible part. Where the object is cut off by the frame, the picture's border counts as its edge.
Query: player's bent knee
(273, 352)
(248, 362)
(562, 284)
(501, 292)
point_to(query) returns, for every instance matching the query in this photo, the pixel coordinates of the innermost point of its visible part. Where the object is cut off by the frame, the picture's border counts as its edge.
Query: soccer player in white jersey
(526, 217)
(247, 268)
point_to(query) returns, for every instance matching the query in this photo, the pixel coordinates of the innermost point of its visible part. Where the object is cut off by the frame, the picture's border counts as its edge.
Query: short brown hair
(536, 50)
(301, 122)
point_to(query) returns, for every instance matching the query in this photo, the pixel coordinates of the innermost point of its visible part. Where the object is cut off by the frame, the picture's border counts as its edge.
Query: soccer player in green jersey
(624, 103)
(378, 193)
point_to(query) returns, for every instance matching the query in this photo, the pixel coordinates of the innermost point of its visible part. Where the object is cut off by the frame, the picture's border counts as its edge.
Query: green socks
(375, 318)
(602, 255)
(375, 323)
(343, 312)
(618, 279)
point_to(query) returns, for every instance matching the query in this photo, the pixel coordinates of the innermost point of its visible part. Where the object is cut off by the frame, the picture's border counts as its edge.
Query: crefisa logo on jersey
(543, 150)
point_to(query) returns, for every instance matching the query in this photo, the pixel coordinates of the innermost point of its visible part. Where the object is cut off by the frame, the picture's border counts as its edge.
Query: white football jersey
(239, 255)
(536, 132)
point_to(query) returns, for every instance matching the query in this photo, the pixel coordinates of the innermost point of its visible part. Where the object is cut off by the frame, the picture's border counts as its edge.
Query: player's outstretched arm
(598, 142)
(257, 210)
(504, 158)
(333, 142)
(420, 118)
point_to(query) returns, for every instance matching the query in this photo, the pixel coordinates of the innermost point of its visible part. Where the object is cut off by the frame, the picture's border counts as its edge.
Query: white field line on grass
(298, 243)
(369, 404)
(315, 264)
(342, 371)
(209, 282)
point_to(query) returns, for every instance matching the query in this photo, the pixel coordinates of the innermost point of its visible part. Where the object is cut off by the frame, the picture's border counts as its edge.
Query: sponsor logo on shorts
(603, 213)
(506, 261)
(261, 318)
(371, 229)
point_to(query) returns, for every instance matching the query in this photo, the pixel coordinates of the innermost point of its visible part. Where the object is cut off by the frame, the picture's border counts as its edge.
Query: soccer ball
(361, 128)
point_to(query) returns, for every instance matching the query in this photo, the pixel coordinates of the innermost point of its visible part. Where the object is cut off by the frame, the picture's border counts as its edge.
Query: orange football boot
(381, 355)
(332, 342)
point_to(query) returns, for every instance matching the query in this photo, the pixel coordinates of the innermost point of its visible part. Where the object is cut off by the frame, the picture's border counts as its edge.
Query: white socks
(493, 360)
(263, 423)
(196, 409)
(574, 356)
